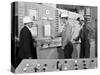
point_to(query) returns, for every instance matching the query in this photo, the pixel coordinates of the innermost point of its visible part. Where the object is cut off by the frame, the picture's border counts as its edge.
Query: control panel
(47, 43)
(42, 65)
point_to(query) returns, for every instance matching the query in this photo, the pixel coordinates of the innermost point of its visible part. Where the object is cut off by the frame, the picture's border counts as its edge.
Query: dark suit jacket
(27, 48)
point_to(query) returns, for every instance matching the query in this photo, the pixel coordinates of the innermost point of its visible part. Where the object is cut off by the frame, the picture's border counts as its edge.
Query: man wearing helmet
(27, 50)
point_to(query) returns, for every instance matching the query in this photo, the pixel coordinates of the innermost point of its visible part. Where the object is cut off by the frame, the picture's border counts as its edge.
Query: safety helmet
(64, 15)
(82, 18)
(27, 19)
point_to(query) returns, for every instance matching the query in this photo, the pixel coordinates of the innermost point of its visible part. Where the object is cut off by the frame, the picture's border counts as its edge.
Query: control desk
(30, 65)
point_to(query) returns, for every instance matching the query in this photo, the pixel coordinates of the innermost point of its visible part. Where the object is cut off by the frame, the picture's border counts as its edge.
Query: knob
(44, 69)
(84, 61)
(65, 61)
(92, 60)
(35, 69)
(85, 68)
(76, 68)
(45, 65)
(76, 65)
(84, 64)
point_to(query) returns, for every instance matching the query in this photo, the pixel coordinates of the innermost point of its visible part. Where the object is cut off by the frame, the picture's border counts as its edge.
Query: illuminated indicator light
(27, 65)
(38, 65)
(65, 68)
(25, 69)
(75, 61)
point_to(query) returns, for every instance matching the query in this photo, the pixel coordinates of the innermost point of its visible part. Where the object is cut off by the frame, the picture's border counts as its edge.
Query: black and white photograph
(53, 37)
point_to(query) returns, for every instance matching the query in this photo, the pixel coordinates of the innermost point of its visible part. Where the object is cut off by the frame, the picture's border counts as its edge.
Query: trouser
(75, 51)
(85, 50)
(68, 49)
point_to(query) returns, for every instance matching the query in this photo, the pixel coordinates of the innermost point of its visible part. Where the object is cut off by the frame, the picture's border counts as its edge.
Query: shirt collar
(28, 27)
